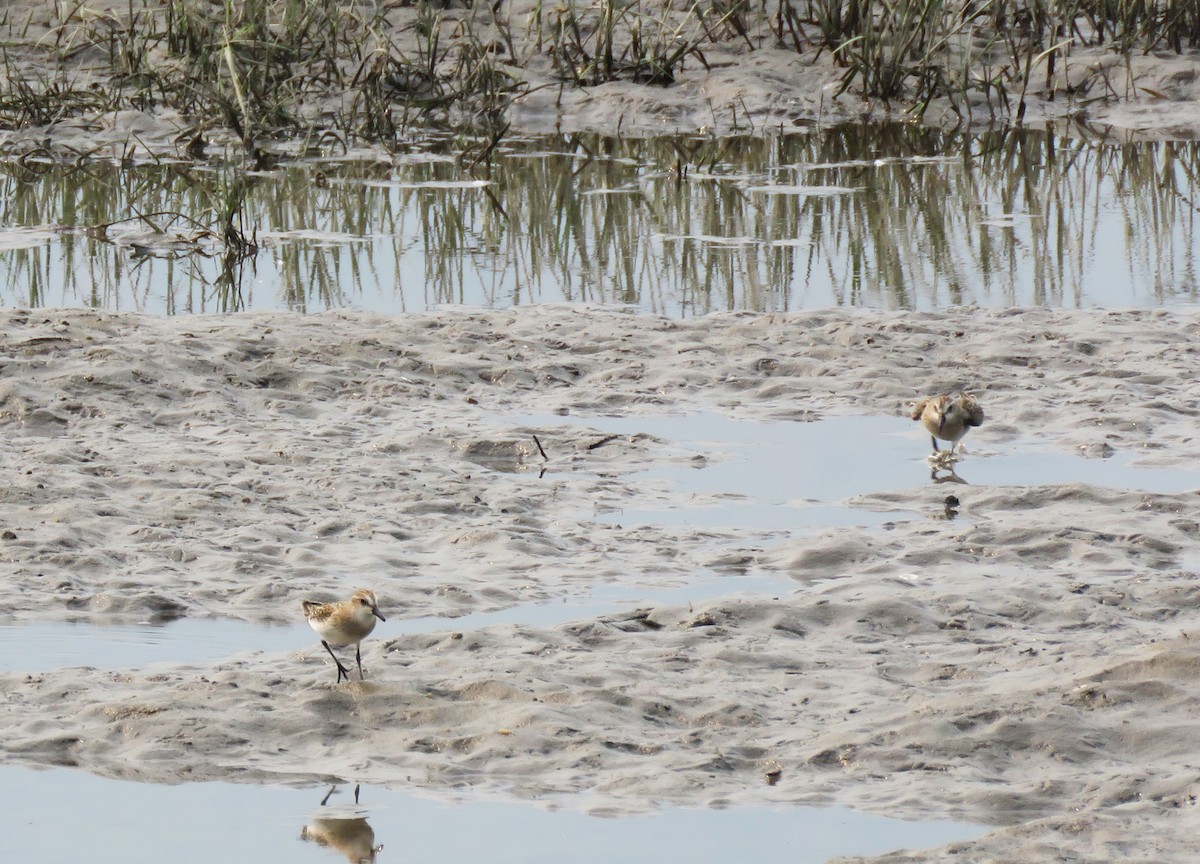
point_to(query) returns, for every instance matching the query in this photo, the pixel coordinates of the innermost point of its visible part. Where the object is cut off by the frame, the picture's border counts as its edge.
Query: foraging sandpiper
(948, 418)
(346, 622)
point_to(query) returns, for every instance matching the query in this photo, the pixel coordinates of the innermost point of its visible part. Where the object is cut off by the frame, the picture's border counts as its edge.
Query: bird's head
(365, 600)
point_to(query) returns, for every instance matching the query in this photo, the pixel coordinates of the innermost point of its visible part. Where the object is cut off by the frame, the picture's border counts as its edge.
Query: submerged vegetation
(326, 70)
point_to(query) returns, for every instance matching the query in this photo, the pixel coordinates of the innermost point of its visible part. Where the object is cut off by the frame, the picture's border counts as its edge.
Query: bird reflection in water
(352, 836)
(945, 473)
(950, 510)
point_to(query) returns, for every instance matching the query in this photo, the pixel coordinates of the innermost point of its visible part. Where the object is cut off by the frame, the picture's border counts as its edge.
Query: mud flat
(1030, 664)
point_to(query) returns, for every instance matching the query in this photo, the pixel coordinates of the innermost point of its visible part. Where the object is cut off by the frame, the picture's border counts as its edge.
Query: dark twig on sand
(605, 440)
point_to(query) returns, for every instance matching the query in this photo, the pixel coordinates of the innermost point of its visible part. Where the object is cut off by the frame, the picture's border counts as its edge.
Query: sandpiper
(948, 418)
(346, 622)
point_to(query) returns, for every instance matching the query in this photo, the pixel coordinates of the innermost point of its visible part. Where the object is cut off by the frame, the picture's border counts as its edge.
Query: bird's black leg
(933, 441)
(342, 670)
(358, 659)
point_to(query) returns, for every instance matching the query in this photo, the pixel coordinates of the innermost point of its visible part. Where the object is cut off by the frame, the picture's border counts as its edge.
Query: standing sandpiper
(346, 622)
(948, 418)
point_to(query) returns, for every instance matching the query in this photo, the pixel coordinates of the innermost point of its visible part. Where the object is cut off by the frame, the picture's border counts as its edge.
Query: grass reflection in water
(882, 216)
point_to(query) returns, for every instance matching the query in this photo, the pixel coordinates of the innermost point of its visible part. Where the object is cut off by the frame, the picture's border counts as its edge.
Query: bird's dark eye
(363, 601)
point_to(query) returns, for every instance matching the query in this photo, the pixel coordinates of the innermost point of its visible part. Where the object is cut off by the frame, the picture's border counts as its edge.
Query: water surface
(778, 479)
(882, 216)
(802, 477)
(62, 816)
(36, 646)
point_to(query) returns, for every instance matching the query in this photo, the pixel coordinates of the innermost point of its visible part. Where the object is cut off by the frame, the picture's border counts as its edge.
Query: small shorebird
(948, 418)
(346, 622)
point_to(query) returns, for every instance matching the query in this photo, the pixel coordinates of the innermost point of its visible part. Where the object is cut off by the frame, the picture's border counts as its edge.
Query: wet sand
(1029, 664)
(770, 90)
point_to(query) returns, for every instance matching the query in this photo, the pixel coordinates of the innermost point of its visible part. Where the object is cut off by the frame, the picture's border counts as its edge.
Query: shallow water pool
(836, 216)
(37, 646)
(777, 478)
(804, 475)
(64, 815)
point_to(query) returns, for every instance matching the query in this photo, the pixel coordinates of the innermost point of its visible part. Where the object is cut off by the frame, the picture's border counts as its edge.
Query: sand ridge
(1030, 665)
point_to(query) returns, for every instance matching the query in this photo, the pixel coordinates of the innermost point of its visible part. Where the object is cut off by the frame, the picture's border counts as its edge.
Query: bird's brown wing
(919, 409)
(312, 610)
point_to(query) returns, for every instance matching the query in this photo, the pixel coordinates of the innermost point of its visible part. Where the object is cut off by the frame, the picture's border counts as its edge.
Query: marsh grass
(266, 69)
(646, 42)
(33, 100)
(919, 50)
(375, 72)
